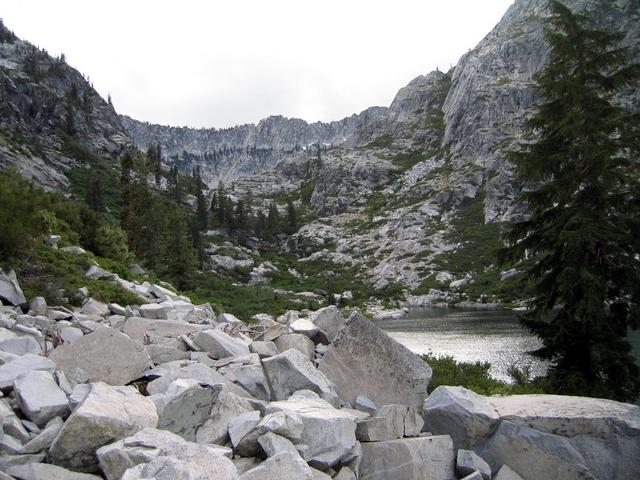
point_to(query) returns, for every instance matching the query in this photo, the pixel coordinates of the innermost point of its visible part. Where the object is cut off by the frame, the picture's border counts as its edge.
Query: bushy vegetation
(28, 215)
(475, 376)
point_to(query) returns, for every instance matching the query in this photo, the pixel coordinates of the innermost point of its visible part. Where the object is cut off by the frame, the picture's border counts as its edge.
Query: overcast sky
(223, 63)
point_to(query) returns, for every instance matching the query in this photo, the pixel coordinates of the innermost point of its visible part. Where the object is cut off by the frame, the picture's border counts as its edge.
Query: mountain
(412, 197)
(51, 119)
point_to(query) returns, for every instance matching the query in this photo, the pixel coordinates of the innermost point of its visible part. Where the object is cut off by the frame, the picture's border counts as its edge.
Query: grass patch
(384, 141)
(475, 376)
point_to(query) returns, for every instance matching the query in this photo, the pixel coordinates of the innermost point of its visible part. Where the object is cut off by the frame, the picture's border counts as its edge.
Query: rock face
(39, 397)
(422, 458)
(364, 360)
(468, 417)
(150, 444)
(107, 414)
(329, 434)
(45, 100)
(10, 291)
(291, 371)
(94, 354)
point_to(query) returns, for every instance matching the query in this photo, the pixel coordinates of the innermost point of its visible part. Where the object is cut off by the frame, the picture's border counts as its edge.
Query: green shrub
(475, 376)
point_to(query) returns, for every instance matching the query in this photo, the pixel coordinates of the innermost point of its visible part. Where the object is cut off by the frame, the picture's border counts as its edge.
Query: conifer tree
(126, 175)
(273, 219)
(94, 195)
(292, 218)
(580, 165)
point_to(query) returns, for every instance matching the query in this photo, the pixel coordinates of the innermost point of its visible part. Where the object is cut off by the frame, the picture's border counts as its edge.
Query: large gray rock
(44, 439)
(107, 414)
(147, 445)
(298, 341)
(387, 424)
(45, 471)
(10, 291)
(329, 320)
(38, 306)
(197, 371)
(507, 473)
(604, 432)
(570, 416)
(106, 355)
(284, 465)
(39, 397)
(286, 425)
(264, 349)
(423, 458)
(153, 310)
(207, 467)
(536, 454)
(364, 360)
(21, 345)
(328, 434)
(16, 367)
(468, 417)
(220, 345)
(291, 371)
(186, 406)
(216, 428)
(468, 462)
(272, 444)
(138, 328)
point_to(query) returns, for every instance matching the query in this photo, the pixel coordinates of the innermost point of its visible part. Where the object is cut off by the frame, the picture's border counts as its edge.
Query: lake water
(469, 336)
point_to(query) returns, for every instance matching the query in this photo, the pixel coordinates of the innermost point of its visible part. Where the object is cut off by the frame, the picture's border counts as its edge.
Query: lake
(469, 336)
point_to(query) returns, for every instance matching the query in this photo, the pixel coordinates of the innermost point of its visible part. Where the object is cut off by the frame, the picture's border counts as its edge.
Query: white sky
(223, 63)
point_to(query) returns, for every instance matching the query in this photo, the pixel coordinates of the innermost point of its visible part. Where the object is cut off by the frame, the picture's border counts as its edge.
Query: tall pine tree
(580, 164)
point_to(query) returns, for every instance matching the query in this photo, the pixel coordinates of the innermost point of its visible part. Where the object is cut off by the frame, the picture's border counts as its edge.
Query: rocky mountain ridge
(51, 118)
(411, 196)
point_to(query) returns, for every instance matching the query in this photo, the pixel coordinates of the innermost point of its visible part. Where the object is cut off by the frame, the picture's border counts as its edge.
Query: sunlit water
(468, 336)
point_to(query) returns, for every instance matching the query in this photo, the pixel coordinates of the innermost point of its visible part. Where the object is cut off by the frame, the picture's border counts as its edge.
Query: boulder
(329, 320)
(215, 429)
(94, 354)
(94, 307)
(16, 367)
(468, 417)
(536, 454)
(304, 327)
(272, 444)
(468, 462)
(365, 404)
(229, 318)
(138, 328)
(413, 423)
(250, 377)
(570, 416)
(284, 465)
(107, 414)
(240, 426)
(286, 425)
(220, 345)
(475, 475)
(10, 291)
(423, 458)
(145, 446)
(45, 471)
(69, 334)
(39, 397)
(96, 273)
(186, 406)
(189, 369)
(387, 424)
(329, 435)
(208, 467)
(21, 345)
(153, 310)
(345, 473)
(38, 306)
(507, 473)
(363, 360)
(297, 341)
(165, 353)
(291, 371)
(44, 439)
(264, 349)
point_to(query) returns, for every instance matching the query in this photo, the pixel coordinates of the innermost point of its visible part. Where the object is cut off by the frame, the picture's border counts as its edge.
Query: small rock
(10, 291)
(364, 404)
(39, 397)
(38, 306)
(468, 462)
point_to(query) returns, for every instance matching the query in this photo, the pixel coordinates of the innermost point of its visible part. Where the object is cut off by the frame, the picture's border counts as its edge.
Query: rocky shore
(168, 390)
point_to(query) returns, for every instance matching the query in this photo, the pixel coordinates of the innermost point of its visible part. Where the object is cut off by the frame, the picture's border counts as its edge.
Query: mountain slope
(51, 118)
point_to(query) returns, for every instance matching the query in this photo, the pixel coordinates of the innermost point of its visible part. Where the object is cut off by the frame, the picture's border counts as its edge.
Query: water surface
(469, 336)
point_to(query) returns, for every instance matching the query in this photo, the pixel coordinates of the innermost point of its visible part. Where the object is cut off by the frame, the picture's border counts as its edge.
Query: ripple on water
(468, 336)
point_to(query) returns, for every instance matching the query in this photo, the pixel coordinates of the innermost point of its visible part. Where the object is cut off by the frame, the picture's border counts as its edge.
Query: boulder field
(168, 390)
